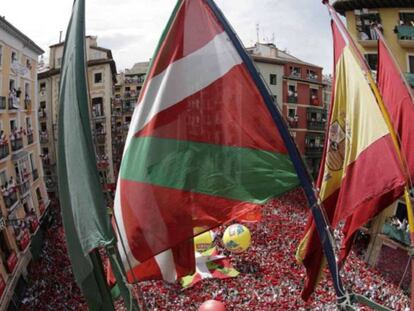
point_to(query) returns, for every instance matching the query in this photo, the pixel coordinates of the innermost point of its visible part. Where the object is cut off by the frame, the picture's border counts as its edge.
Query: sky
(132, 28)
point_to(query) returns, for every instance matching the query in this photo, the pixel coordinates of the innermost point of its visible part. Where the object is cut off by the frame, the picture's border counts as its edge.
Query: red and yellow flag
(360, 174)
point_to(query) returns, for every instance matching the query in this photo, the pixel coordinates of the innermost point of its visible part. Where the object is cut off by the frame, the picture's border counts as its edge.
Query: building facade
(297, 88)
(24, 199)
(101, 79)
(127, 90)
(396, 20)
(394, 17)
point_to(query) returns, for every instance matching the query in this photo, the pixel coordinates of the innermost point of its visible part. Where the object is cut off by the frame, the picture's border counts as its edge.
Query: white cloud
(131, 28)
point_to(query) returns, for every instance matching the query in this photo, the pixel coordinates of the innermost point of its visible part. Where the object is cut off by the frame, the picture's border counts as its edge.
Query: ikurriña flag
(361, 173)
(202, 148)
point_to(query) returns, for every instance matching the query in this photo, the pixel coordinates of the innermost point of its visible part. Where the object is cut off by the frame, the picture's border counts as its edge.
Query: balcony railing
(27, 104)
(10, 198)
(24, 187)
(293, 123)
(17, 144)
(292, 99)
(35, 174)
(295, 74)
(30, 138)
(42, 113)
(405, 32)
(410, 78)
(44, 138)
(4, 150)
(314, 101)
(312, 77)
(13, 105)
(3, 104)
(101, 138)
(313, 151)
(316, 125)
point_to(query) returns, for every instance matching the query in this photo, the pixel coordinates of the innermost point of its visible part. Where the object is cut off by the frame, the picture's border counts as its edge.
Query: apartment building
(24, 200)
(101, 71)
(297, 88)
(127, 90)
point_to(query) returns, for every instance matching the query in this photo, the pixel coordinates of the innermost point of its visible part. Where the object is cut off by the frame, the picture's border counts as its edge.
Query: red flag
(399, 101)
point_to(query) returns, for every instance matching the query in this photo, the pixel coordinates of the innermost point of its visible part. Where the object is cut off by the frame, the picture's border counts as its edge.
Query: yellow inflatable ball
(236, 238)
(204, 241)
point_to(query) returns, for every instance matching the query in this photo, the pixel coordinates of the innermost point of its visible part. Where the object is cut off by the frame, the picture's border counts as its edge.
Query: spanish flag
(361, 173)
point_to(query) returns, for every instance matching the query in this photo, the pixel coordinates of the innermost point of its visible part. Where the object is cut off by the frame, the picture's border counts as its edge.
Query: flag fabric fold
(83, 207)
(361, 174)
(202, 148)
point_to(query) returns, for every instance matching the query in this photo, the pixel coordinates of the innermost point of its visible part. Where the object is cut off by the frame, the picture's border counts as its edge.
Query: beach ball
(204, 241)
(236, 238)
(212, 305)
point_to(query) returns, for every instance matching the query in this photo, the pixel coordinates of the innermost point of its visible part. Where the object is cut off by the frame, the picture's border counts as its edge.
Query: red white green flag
(202, 148)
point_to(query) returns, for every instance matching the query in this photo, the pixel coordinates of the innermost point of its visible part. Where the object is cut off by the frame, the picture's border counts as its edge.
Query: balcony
(24, 241)
(313, 151)
(295, 74)
(101, 138)
(97, 114)
(42, 113)
(3, 104)
(293, 99)
(17, 144)
(314, 101)
(30, 137)
(4, 150)
(405, 36)
(46, 161)
(28, 104)
(9, 197)
(24, 187)
(13, 103)
(316, 125)
(293, 122)
(313, 77)
(128, 109)
(35, 174)
(44, 138)
(410, 78)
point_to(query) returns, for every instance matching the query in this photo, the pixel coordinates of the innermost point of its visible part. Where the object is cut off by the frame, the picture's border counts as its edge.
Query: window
(43, 104)
(295, 71)
(291, 113)
(1, 54)
(372, 60)
(407, 18)
(32, 163)
(97, 107)
(28, 123)
(411, 63)
(13, 124)
(42, 86)
(12, 84)
(365, 24)
(27, 89)
(98, 77)
(3, 177)
(43, 127)
(273, 79)
(274, 98)
(13, 57)
(59, 61)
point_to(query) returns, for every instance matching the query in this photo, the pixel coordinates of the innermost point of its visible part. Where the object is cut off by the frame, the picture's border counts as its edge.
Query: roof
(55, 71)
(63, 42)
(282, 57)
(9, 28)
(138, 69)
(348, 5)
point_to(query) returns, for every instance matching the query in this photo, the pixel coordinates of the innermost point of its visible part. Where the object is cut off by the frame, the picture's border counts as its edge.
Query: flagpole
(321, 221)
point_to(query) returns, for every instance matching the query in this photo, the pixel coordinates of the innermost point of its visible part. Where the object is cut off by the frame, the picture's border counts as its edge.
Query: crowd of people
(270, 277)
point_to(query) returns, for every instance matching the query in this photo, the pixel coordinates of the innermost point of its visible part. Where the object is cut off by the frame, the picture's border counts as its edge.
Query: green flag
(85, 219)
